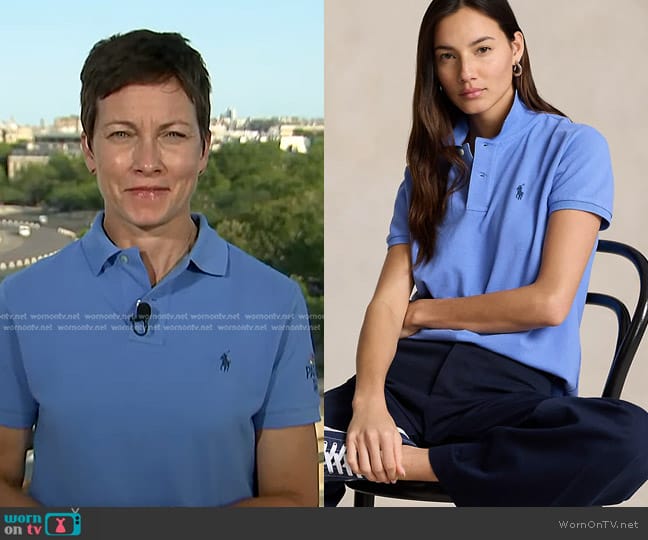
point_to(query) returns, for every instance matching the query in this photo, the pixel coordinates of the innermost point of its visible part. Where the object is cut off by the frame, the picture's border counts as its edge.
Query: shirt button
(485, 144)
(461, 151)
(123, 258)
(482, 175)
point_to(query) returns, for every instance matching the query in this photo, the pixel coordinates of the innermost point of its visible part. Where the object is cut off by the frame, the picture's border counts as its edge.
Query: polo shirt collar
(517, 120)
(96, 245)
(209, 254)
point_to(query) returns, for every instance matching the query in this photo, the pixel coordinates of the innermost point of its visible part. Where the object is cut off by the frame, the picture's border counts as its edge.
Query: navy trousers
(502, 434)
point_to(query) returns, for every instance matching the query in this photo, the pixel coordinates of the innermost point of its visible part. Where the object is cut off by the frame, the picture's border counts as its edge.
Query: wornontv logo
(51, 524)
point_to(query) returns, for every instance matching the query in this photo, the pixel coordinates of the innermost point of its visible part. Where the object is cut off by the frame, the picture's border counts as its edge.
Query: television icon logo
(63, 524)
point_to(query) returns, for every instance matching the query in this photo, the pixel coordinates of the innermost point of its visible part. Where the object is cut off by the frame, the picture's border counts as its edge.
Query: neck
(161, 248)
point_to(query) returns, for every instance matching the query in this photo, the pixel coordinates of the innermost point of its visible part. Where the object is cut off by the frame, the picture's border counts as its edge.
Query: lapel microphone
(142, 315)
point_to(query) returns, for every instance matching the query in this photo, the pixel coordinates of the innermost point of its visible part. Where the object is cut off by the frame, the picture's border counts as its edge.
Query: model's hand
(409, 327)
(374, 444)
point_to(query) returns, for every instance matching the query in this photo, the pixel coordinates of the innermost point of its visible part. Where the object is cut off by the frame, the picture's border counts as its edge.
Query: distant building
(293, 133)
(218, 132)
(242, 136)
(67, 124)
(17, 161)
(230, 113)
(12, 133)
(315, 128)
(274, 133)
(294, 143)
(41, 149)
(287, 130)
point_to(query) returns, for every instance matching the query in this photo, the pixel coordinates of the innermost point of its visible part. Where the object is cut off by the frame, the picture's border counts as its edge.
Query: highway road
(44, 239)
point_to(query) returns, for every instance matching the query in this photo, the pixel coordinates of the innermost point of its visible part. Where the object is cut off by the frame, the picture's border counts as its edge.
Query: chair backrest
(630, 328)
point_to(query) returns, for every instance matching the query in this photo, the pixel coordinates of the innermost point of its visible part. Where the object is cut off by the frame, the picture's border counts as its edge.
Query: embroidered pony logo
(519, 193)
(225, 361)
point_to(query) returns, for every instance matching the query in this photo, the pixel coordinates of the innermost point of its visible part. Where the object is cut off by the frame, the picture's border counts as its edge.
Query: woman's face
(474, 61)
(147, 153)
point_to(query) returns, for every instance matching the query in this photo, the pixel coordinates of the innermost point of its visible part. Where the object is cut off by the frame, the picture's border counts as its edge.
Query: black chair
(629, 335)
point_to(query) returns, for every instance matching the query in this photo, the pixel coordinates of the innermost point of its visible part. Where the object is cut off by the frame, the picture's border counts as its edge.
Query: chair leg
(363, 499)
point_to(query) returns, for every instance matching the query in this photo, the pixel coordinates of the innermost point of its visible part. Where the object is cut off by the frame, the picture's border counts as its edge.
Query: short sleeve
(17, 406)
(399, 227)
(584, 179)
(293, 396)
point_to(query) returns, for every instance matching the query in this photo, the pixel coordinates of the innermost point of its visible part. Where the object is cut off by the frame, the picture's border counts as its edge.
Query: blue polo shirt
(492, 234)
(167, 418)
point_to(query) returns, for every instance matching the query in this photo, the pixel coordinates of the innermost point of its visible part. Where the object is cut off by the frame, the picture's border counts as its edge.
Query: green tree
(5, 150)
(262, 124)
(69, 196)
(63, 183)
(36, 182)
(269, 203)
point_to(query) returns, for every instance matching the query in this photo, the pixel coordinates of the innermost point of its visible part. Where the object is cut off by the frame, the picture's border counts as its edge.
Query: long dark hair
(429, 154)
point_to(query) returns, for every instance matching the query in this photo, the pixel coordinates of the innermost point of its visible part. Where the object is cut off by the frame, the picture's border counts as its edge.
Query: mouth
(148, 192)
(472, 93)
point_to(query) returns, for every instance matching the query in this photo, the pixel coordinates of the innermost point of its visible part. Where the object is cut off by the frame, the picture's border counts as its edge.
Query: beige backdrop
(587, 60)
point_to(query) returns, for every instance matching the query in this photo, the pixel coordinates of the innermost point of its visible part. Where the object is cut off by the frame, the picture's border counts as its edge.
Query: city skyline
(265, 59)
(49, 123)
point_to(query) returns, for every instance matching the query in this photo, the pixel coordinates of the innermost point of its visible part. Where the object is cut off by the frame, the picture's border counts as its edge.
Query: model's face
(474, 61)
(147, 154)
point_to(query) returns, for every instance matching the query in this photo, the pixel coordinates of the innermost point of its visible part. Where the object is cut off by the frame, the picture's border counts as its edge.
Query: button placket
(479, 189)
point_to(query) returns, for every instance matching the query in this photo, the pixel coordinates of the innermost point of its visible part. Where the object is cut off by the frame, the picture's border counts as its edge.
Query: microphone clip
(142, 315)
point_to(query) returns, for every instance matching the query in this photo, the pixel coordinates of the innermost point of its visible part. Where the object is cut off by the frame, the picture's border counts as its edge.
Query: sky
(265, 58)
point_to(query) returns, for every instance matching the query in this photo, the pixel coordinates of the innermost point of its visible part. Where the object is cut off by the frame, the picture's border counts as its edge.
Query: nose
(147, 158)
(466, 70)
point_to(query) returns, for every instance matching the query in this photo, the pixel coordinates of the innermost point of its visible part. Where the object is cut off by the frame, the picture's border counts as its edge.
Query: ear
(88, 154)
(517, 45)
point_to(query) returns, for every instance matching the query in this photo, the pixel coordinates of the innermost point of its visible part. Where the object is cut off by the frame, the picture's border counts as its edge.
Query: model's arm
(287, 468)
(373, 442)
(13, 446)
(569, 240)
